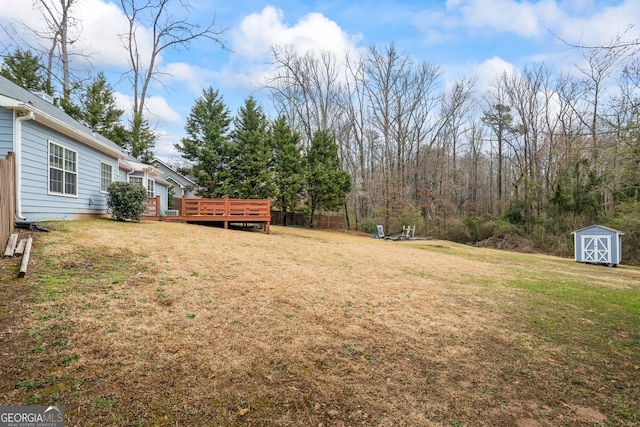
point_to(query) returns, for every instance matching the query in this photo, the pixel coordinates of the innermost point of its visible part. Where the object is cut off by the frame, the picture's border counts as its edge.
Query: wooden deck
(226, 211)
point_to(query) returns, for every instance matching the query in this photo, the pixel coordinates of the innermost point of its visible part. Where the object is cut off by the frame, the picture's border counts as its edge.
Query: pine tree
(207, 145)
(288, 169)
(141, 139)
(250, 169)
(25, 69)
(99, 112)
(327, 185)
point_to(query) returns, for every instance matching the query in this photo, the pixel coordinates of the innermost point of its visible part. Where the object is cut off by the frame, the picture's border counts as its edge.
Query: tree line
(256, 158)
(539, 154)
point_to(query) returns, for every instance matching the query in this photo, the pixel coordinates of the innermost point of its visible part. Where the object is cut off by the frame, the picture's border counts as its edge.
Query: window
(151, 188)
(106, 176)
(135, 180)
(63, 170)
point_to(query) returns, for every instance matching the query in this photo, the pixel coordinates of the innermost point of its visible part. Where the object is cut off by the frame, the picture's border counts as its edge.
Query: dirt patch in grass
(176, 324)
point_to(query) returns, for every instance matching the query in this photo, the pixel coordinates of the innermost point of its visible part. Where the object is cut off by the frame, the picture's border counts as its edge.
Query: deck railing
(226, 207)
(152, 207)
(248, 211)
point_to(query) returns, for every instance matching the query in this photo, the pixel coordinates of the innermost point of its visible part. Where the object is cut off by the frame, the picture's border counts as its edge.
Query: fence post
(7, 197)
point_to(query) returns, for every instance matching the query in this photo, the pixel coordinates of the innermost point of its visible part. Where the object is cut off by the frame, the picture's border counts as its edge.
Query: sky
(463, 38)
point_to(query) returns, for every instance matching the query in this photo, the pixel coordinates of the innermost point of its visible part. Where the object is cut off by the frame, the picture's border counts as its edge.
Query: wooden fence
(7, 197)
(321, 222)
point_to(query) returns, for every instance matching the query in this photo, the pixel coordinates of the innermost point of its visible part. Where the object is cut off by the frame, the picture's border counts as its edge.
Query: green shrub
(411, 215)
(458, 231)
(627, 220)
(368, 226)
(126, 201)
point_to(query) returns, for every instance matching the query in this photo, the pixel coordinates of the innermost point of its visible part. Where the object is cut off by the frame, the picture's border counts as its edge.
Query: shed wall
(614, 243)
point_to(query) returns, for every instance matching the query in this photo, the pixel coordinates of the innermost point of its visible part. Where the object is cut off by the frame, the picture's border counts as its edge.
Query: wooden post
(7, 196)
(25, 258)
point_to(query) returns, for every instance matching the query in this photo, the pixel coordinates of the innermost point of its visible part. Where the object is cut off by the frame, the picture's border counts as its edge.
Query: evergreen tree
(500, 121)
(250, 171)
(206, 145)
(99, 112)
(25, 69)
(68, 102)
(141, 139)
(327, 185)
(287, 166)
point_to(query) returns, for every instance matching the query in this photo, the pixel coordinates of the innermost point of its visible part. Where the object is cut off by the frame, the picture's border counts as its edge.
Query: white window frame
(151, 187)
(136, 178)
(111, 176)
(65, 152)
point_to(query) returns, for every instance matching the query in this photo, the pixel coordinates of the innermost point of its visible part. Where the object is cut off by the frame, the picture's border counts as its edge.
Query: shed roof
(618, 232)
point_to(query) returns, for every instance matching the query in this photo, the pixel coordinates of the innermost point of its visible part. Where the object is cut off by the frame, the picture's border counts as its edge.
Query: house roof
(620, 233)
(15, 97)
(172, 170)
(133, 165)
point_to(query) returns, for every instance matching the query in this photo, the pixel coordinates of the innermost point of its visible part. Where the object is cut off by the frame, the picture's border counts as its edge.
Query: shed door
(596, 249)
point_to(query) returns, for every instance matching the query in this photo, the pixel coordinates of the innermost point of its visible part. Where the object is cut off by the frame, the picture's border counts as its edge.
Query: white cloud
(504, 16)
(193, 76)
(489, 70)
(102, 25)
(603, 26)
(164, 147)
(576, 21)
(259, 32)
(124, 103)
(158, 110)
(96, 36)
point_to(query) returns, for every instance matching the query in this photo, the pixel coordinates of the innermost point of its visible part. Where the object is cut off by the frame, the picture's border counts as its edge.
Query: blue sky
(462, 37)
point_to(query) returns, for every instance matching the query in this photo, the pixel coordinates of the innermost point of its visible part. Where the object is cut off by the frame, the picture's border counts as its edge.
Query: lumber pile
(19, 248)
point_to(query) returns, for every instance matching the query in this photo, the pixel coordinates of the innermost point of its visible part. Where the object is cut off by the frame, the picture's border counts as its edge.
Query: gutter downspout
(18, 154)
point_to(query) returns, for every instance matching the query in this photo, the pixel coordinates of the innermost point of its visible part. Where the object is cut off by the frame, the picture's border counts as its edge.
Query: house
(62, 168)
(597, 244)
(131, 170)
(180, 185)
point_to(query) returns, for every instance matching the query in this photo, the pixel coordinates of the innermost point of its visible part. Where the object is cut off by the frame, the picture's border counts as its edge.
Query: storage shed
(598, 245)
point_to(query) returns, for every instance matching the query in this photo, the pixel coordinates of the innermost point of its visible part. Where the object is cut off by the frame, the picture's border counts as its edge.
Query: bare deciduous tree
(307, 89)
(166, 31)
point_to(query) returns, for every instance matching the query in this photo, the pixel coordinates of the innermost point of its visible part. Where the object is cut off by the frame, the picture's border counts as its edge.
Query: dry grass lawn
(167, 324)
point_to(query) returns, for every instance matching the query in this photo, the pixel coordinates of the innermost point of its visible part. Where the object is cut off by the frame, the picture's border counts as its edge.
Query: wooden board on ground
(11, 245)
(25, 258)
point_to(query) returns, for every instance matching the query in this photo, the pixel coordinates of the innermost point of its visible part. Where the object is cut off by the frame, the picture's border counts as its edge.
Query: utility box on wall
(598, 245)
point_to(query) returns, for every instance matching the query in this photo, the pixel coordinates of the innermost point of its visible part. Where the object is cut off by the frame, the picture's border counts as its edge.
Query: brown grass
(185, 325)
